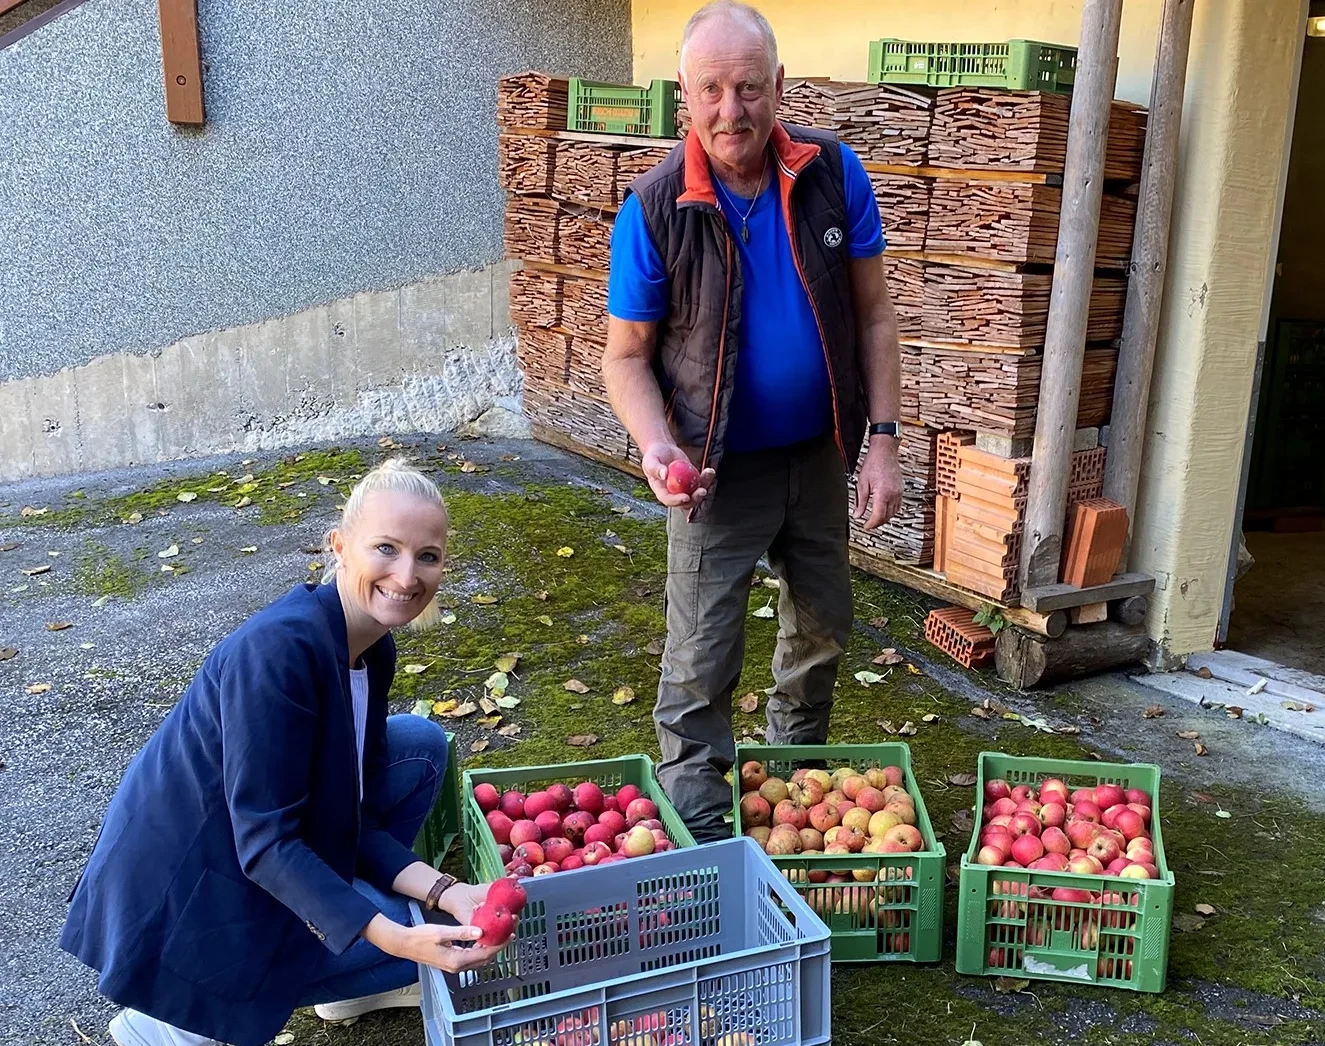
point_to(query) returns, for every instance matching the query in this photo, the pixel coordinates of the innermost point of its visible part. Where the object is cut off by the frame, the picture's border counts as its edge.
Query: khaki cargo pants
(792, 504)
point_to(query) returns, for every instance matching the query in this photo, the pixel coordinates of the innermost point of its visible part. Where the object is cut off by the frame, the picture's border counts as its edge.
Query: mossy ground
(1258, 868)
(1252, 973)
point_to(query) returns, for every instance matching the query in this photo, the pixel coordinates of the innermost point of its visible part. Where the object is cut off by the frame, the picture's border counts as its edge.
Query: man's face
(732, 94)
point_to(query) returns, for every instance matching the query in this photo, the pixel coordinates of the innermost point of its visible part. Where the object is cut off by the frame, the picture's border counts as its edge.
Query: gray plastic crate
(708, 944)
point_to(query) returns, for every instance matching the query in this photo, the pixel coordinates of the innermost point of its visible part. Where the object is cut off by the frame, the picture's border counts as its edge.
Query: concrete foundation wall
(429, 356)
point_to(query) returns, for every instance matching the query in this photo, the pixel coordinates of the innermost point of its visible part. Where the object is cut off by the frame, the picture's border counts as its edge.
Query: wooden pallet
(1026, 131)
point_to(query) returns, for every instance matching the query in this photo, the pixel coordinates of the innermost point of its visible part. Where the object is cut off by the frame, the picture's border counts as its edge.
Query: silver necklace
(745, 218)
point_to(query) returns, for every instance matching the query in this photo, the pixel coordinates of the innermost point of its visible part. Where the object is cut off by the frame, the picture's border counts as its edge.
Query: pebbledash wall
(1236, 118)
(322, 259)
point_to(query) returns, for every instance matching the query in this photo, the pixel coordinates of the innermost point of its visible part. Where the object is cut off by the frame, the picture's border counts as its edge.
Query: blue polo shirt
(782, 393)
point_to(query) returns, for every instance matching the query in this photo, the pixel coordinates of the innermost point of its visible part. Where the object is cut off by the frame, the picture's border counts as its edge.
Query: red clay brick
(1097, 532)
(954, 631)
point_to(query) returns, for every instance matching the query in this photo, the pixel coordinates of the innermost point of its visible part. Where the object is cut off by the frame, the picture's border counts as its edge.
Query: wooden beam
(1145, 291)
(1061, 597)
(1026, 660)
(1069, 301)
(965, 174)
(962, 346)
(181, 60)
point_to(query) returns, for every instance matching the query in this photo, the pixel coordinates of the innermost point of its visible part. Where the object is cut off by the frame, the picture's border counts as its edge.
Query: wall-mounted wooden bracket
(181, 58)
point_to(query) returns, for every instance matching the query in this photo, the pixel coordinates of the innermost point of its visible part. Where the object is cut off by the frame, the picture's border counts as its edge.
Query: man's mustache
(732, 126)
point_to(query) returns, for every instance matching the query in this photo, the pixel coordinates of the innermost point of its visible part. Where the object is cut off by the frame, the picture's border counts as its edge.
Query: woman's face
(392, 559)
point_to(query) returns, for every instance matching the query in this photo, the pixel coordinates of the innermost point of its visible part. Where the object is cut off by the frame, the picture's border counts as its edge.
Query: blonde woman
(256, 855)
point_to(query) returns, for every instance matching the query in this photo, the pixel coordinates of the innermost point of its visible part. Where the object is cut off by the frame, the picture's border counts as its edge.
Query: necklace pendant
(745, 233)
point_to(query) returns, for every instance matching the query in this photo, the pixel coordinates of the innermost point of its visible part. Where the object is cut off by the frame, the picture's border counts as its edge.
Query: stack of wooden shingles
(562, 196)
(883, 124)
(909, 536)
(990, 242)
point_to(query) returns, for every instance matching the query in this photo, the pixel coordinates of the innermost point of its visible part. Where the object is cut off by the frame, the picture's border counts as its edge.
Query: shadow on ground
(563, 563)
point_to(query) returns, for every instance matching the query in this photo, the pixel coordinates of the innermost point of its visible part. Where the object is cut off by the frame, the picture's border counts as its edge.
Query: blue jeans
(415, 773)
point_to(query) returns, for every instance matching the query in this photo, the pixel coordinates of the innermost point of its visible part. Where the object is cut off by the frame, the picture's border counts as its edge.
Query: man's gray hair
(737, 10)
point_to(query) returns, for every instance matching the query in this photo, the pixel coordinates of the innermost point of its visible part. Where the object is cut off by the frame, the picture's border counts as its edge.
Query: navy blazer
(226, 856)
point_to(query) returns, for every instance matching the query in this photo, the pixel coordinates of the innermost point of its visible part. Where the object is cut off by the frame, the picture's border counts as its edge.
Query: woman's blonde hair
(396, 475)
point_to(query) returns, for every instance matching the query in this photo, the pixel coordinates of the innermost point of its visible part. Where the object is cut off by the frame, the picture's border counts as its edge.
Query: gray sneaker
(131, 1028)
(398, 998)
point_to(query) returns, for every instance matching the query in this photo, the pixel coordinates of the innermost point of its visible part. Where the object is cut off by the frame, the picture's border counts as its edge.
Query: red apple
(536, 803)
(1083, 794)
(1025, 824)
(626, 795)
(871, 799)
(822, 817)
(997, 838)
(572, 862)
(990, 855)
(487, 797)
(614, 821)
(1138, 796)
(1116, 865)
(610, 803)
(1107, 795)
(557, 849)
(547, 868)
(1129, 823)
(997, 788)
(1104, 849)
(1053, 815)
(588, 797)
(595, 852)
(1027, 848)
(1064, 893)
(682, 477)
(562, 798)
(755, 810)
(1143, 811)
(1056, 841)
(549, 823)
(1109, 818)
(1082, 832)
(1087, 811)
(1003, 806)
(1053, 790)
(500, 826)
(512, 805)
(599, 833)
(1029, 806)
(505, 852)
(790, 812)
(1022, 792)
(639, 809)
(1002, 821)
(576, 824)
(530, 853)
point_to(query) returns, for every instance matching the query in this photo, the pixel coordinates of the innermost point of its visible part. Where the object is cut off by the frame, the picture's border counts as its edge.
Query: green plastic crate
(623, 109)
(1019, 65)
(442, 826)
(899, 917)
(1124, 944)
(481, 856)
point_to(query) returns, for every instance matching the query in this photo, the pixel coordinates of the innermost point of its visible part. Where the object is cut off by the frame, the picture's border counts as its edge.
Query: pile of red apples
(562, 828)
(1103, 830)
(847, 811)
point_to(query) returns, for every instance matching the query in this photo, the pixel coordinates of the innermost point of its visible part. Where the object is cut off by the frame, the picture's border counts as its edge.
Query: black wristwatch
(886, 428)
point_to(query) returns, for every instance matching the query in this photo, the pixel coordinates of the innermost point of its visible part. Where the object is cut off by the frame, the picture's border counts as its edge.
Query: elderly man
(751, 332)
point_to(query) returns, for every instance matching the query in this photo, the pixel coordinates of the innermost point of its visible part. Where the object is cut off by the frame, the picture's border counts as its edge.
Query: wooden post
(1069, 302)
(181, 59)
(1145, 290)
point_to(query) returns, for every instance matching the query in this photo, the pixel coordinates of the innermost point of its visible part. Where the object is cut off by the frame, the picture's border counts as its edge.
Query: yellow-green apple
(840, 775)
(774, 790)
(1135, 871)
(876, 778)
(822, 778)
(811, 840)
(836, 849)
(759, 834)
(864, 875)
(883, 820)
(875, 846)
(858, 820)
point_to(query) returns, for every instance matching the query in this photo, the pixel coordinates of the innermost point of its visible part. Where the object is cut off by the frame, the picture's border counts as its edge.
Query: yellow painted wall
(832, 39)
(1238, 101)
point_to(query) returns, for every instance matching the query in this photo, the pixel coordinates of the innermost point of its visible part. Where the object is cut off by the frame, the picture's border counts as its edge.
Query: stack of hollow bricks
(981, 510)
(954, 631)
(962, 508)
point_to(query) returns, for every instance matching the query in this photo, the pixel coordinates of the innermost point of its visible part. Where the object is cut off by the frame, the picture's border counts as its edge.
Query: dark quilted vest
(697, 342)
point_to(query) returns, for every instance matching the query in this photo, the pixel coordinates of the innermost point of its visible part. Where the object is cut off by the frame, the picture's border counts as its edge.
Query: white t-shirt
(359, 699)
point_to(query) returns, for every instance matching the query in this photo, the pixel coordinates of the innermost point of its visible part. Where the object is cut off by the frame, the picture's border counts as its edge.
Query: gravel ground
(115, 673)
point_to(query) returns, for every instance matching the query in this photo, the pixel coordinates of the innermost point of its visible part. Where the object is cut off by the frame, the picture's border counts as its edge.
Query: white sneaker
(131, 1028)
(398, 998)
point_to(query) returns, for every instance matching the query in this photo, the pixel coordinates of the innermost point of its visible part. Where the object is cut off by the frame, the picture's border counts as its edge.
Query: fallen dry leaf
(28, 511)
(134, 517)
(907, 729)
(582, 639)
(1010, 984)
(248, 550)
(930, 717)
(506, 663)
(9, 546)
(913, 670)
(575, 686)
(1233, 711)
(541, 596)
(39, 688)
(543, 619)
(443, 707)
(868, 678)
(198, 541)
(468, 466)
(1296, 706)
(879, 622)
(506, 701)
(422, 708)
(509, 730)
(489, 721)
(582, 740)
(480, 745)
(979, 713)
(1205, 909)
(34, 571)
(1070, 730)
(565, 552)
(766, 611)
(460, 711)
(624, 695)
(283, 1039)
(886, 725)
(963, 780)
(1201, 749)
(325, 480)
(749, 703)
(1204, 673)
(244, 502)
(1185, 922)
(8, 653)
(889, 657)
(655, 647)
(1189, 735)
(483, 600)
(622, 549)
(488, 705)
(621, 510)
(186, 496)
(448, 618)
(1152, 712)
(58, 626)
